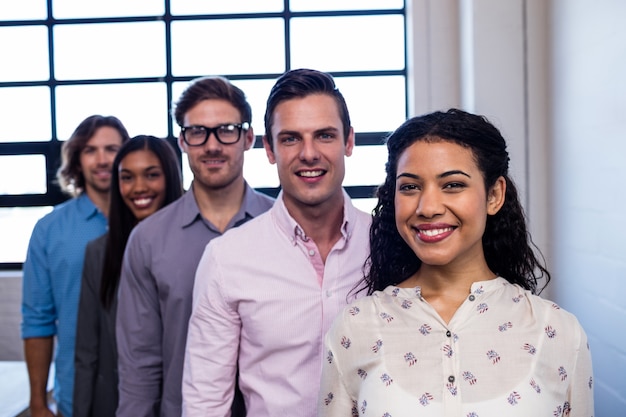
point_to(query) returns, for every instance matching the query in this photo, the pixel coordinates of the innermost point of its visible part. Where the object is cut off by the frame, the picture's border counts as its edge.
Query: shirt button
(472, 298)
(449, 333)
(311, 252)
(329, 293)
(451, 379)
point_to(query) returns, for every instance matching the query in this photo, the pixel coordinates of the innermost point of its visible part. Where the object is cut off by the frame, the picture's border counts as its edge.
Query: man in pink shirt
(266, 293)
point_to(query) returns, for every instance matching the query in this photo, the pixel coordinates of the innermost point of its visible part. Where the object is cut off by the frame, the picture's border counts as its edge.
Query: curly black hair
(509, 250)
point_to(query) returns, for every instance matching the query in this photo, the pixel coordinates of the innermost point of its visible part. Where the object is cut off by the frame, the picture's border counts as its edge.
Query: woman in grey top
(145, 177)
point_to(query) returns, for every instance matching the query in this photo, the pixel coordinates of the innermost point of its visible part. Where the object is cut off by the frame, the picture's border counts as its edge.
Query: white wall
(551, 74)
(587, 182)
(10, 316)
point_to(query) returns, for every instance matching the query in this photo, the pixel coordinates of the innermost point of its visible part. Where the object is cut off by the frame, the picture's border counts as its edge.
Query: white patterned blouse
(505, 352)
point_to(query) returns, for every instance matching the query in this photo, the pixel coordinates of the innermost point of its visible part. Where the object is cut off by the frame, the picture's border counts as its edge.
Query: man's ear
(248, 139)
(268, 150)
(350, 142)
(495, 198)
(181, 143)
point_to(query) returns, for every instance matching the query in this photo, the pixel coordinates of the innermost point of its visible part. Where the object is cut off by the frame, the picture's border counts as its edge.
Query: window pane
(19, 125)
(376, 104)
(142, 107)
(258, 171)
(366, 166)
(177, 90)
(187, 174)
(246, 46)
(365, 43)
(260, 50)
(22, 174)
(27, 59)
(365, 204)
(68, 9)
(23, 10)
(109, 50)
(191, 7)
(17, 224)
(256, 92)
(317, 5)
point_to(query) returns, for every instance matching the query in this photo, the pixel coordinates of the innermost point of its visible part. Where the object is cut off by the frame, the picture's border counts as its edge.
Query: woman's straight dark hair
(121, 218)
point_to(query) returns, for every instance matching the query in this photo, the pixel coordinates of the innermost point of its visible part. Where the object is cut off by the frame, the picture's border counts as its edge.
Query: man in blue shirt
(54, 261)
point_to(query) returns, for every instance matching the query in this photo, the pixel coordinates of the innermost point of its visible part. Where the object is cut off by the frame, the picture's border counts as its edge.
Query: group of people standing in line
(221, 301)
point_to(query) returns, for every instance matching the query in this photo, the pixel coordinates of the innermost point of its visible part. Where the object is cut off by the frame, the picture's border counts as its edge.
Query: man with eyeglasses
(266, 302)
(163, 251)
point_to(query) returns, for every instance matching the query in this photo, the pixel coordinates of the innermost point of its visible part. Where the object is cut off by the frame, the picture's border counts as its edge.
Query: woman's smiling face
(142, 183)
(441, 204)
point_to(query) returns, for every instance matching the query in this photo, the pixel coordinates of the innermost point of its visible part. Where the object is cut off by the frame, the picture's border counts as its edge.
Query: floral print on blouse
(505, 352)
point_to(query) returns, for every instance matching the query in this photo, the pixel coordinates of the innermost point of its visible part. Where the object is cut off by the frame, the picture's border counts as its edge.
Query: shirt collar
(189, 208)
(253, 204)
(250, 207)
(477, 288)
(86, 208)
(294, 231)
(481, 287)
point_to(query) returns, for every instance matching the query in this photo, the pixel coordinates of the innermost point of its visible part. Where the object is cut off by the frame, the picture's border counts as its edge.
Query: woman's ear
(495, 197)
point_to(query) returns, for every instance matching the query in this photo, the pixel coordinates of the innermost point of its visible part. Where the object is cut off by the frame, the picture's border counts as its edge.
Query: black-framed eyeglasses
(227, 134)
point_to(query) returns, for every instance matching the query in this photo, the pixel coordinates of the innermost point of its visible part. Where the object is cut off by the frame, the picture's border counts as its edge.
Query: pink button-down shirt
(258, 296)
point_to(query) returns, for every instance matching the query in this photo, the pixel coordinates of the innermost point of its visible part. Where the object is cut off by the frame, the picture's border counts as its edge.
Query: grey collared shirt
(155, 297)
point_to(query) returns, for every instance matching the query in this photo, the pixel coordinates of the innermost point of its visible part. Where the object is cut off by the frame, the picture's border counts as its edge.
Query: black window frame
(51, 149)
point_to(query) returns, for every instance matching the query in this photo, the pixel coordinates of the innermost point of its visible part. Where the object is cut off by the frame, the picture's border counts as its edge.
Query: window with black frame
(63, 60)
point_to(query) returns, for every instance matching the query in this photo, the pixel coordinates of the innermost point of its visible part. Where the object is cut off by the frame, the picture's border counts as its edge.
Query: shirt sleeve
(212, 344)
(87, 335)
(38, 311)
(580, 396)
(139, 336)
(334, 398)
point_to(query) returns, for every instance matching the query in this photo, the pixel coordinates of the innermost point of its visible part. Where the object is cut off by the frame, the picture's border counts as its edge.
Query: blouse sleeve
(335, 399)
(581, 391)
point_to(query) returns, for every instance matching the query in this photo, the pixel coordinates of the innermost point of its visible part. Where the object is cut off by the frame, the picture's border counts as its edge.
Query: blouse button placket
(450, 371)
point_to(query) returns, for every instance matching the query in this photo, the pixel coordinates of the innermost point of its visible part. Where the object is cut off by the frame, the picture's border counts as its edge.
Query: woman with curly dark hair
(453, 324)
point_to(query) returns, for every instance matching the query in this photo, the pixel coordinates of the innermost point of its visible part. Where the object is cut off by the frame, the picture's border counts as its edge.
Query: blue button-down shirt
(51, 283)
